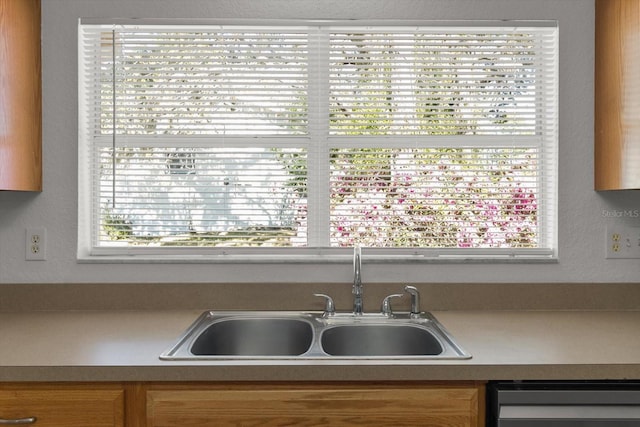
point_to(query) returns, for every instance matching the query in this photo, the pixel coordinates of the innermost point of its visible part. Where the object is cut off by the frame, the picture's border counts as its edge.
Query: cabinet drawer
(63, 406)
(309, 405)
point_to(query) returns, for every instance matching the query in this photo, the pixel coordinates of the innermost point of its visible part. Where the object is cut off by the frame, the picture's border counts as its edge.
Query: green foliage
(117, 227)
(295, 163)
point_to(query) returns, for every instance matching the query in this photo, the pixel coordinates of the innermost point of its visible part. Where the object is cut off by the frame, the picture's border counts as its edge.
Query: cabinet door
(62, 406)
(20, 96)
(617, 95)
(308, 405)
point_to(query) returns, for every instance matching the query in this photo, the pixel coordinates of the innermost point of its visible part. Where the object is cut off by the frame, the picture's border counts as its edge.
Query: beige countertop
(105, 345)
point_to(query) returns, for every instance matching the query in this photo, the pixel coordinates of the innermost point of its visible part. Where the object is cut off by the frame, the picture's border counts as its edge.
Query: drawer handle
(18, 421)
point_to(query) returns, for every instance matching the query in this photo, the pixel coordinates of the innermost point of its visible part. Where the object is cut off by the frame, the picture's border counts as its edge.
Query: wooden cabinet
(59, 405)
(617, 95)
(20, 96)
(272, 405)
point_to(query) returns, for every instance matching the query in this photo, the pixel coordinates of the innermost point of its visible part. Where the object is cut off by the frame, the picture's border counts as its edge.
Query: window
(410, 138)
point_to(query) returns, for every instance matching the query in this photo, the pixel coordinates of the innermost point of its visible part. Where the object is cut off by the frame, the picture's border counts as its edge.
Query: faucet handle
(386, 304)
(329, 308)
(415, 299)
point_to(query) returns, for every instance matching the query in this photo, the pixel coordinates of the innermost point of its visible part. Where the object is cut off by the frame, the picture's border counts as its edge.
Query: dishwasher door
(564, 404)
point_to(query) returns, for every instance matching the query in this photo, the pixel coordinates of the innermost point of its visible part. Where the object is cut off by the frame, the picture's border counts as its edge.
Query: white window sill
(316, 259)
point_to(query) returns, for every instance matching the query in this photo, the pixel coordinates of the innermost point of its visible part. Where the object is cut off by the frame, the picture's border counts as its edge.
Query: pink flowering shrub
(439, 198)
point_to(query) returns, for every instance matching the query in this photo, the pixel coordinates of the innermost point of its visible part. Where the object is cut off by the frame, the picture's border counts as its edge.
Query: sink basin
(379, 340)
(254, 337)
(245, 335)
(291, 336)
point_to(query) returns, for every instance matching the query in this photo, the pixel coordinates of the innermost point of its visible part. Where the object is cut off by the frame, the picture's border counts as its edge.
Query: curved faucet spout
(357, 280)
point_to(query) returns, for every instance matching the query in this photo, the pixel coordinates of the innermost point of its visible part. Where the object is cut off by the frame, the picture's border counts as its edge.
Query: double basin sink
(239, 335)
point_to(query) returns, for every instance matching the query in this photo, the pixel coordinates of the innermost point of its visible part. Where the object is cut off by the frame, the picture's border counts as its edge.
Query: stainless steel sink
(242, 335)
(260, 336)
(326, 336)
(380, 340)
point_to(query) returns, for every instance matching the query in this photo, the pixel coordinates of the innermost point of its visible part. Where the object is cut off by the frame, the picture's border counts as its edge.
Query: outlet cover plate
(36, 244)
(622, 241)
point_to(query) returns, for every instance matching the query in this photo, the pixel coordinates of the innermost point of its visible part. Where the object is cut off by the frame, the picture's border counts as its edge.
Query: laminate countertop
(125, 345)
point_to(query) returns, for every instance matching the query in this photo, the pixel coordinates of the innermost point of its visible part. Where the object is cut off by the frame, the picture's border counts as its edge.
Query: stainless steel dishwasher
(564, 404)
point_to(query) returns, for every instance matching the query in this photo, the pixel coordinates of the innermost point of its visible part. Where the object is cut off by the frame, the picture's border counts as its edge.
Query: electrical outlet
(36, 244)
(623, 241)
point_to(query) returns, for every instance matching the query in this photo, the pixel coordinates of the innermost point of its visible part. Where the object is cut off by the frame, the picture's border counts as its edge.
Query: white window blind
(416, 139)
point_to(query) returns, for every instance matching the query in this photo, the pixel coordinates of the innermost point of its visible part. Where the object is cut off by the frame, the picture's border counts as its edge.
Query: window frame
(88, 251)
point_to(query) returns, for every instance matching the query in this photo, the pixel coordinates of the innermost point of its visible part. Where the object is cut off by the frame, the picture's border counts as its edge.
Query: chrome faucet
(415, 300)
(357, 280)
